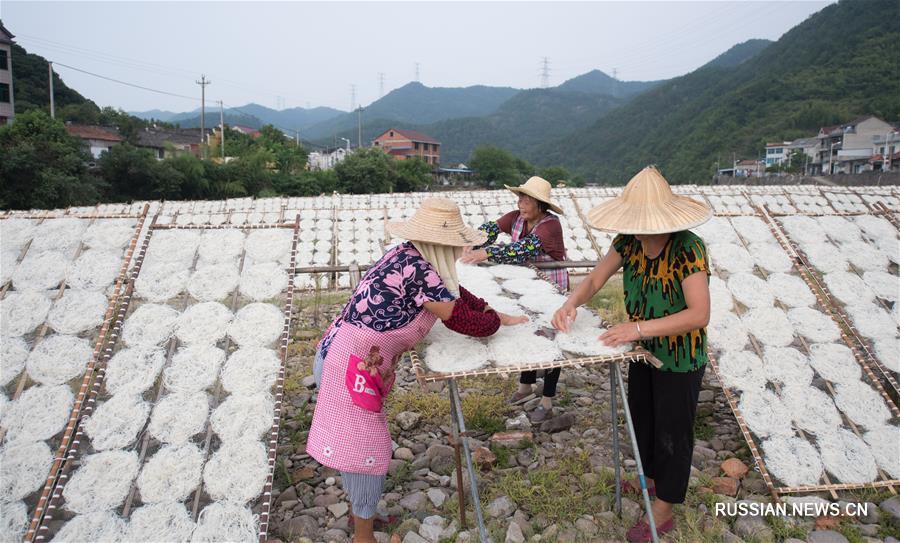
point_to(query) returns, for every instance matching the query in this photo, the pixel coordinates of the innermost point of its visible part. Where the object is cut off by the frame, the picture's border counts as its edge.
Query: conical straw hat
(437, 220)
(539, 189)
(648, 206)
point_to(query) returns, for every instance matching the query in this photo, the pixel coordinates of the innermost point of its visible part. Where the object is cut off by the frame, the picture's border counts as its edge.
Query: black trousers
(551, 377)
(663, 406)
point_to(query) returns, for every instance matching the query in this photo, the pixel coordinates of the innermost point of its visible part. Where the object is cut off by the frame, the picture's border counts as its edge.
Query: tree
(412, 174)
(42, 166)
(366, 171)
(494, 166)
(556, 174)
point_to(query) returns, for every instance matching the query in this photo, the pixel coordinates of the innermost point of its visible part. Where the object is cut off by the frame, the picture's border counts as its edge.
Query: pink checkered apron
(559, 276)
(344, 436)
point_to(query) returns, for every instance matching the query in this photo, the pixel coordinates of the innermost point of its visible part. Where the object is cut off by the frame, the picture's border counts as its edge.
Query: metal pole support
(456, 407)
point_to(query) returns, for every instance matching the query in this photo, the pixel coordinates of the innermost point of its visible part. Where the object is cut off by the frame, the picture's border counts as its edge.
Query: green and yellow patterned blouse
(653, 289)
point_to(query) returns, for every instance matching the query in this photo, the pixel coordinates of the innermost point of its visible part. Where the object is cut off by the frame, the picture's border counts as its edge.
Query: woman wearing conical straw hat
(536, 237)
(666, 284)
(394, 306)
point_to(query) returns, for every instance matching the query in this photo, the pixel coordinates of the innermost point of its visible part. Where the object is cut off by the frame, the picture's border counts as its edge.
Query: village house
(97, 139)
(7, 100)
(403, 144)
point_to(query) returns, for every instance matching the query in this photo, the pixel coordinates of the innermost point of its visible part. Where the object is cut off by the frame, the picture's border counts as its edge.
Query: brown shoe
(540, 414)
(520, 397)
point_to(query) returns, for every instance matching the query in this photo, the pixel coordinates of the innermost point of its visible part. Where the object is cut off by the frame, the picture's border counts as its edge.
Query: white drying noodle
(40, 271)
(508, 271)
(160, 522)
(770, 257)
(13, 520)
(13, 354)
(786, 366)
(263, 281)
(250, 370)
(720, 298)
(716, 230)
(57, 238)
(101, 527)
(825, 257)
(23, 469)
(862, 404)
(179, 416)
(171, 474)
(517, 345)
(95, 269)
(109, 234)
(213, 282)
(839, 228)
(883, 444)
(765, 414)
(193, 368)
(237, 471)
(8, 262)
(865, 256)
(256, 324)
(753, 229)
(161, 281)
(4, 401)
(39, 413)
(814, 325)
(742, 370)
(528, 286)
(471, 273)
(876, 227)
(888, 352)
(812, 410)
(243, 416)
(149, 325)
(116, 422)
(848, 287)
(269, 245)
(872, 321)
(226, 522)
(58, 359)
(481, 287)
(885, 285)
(203, 324)
(793, 460)
(220, 245)
(834, 362)
(583, 340)
(77, 311)
(133, 370)
(847, 457)
(439, 333)
(542, 303)
(15, 233)
(791, 290)
(750, 290)
(804, 229)
(730, 257)
(770, 326)
(454, 354)
(101, 481)
(727, 332)
(173, 245)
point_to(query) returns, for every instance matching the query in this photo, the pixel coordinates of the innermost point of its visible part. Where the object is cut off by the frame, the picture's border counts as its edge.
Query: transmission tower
(380, 84)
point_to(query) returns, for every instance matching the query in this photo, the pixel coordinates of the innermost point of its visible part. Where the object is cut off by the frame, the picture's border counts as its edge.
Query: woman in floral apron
(393, 308)
(536, 237)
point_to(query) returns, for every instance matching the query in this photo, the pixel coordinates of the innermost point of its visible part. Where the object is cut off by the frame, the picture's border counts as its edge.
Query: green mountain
(416, 104)
(30, 84)
(839, 63)
(597, 82)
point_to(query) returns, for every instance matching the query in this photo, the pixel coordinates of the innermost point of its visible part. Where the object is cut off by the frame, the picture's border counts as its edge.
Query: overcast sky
(307, 54)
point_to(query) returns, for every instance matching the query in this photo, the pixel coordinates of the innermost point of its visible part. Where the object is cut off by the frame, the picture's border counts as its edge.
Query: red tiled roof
(91, 132)
(413, 135)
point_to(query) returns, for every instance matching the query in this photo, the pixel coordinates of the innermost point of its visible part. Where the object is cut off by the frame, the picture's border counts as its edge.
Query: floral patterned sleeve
(527, 248)
(492, 229)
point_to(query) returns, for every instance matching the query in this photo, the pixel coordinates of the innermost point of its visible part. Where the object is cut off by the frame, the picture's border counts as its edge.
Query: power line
(194, 98)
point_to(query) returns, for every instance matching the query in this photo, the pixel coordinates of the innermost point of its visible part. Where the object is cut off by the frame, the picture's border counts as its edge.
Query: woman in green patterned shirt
(666, 282)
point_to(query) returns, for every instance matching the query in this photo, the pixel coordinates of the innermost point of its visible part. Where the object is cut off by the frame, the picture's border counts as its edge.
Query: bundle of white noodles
(171, 474)
(101, 482)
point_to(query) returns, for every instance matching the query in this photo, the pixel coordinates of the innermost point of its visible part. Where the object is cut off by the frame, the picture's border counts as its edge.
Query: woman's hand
(473, 256)
(564, 317)
(620, 334)
(512, 320)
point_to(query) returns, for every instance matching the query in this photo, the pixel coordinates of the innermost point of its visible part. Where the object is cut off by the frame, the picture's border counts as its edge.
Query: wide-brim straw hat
(648, 206)
(437, 220)
(539, 189)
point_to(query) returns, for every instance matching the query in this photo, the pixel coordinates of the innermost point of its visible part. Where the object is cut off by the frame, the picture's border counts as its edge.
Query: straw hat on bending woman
(665, 278)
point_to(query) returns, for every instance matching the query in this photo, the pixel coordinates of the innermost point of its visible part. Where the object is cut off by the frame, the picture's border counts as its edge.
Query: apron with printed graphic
(559, 276)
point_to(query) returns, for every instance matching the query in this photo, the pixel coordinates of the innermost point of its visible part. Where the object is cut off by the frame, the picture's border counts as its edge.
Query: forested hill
(839, 63)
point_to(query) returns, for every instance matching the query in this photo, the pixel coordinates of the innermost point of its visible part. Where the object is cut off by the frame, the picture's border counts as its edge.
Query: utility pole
(52, 103)
(203, 83)
(380, 84)
(222, 125)
(545, 73)
(359, 127)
